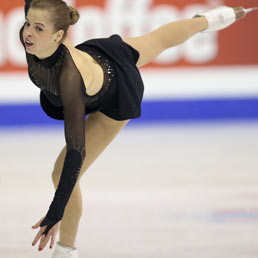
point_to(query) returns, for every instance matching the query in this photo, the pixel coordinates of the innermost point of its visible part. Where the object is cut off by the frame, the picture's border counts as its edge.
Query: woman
(98, 78)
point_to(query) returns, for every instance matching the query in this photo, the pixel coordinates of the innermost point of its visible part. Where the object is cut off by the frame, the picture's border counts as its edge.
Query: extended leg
(154, 43)
(99, 132)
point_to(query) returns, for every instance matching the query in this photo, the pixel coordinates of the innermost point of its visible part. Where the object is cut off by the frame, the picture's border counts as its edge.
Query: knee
(58, 167)
(56, 174)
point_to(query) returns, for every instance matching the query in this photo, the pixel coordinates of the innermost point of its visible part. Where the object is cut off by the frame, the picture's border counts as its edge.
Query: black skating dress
(63, 96)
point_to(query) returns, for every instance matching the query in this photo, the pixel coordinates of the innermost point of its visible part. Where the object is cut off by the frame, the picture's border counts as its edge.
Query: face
(38, 34)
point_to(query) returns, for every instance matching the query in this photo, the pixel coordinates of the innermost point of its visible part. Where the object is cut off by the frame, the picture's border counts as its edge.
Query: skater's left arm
(71, 95)
(74, 126)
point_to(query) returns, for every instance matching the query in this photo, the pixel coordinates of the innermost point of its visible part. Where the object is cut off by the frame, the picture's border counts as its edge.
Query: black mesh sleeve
(74, 119)
(27, 6)
(21, 37)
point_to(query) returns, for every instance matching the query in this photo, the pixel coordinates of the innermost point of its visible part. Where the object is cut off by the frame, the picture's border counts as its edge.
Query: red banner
(236, 45)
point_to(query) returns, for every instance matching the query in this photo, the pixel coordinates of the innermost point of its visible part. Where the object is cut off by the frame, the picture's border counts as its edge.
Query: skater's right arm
(21, 36)
(27, 6)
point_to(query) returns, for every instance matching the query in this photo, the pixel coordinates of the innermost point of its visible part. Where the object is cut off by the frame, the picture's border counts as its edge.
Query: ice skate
(64, 252)
(223, 16)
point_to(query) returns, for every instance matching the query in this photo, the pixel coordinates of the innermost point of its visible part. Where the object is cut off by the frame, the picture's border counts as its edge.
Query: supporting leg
(100, 130)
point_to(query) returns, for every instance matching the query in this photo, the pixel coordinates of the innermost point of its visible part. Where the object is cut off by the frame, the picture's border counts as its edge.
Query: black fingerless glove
(71, 170)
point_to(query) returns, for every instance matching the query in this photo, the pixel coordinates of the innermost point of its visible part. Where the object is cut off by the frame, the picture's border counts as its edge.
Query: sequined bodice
(107, 68)
(45, 73)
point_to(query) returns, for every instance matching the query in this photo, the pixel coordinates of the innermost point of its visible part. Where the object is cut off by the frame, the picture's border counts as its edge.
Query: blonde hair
(62, 15)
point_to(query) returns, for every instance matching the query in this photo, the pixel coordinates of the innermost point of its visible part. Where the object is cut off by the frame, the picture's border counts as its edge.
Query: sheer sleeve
(74, 121)
(21, 37)
(27, 6)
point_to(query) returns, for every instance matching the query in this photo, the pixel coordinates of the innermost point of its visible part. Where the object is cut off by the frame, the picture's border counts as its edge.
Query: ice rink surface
(171, 191)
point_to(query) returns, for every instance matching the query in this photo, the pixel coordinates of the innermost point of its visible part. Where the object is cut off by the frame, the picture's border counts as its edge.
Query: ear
(59, 35)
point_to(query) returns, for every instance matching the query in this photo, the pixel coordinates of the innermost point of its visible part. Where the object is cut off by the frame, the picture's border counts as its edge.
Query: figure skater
(98, 78)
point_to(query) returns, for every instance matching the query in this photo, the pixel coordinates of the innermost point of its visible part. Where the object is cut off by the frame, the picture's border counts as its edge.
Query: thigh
(100, 130)
(149, 46)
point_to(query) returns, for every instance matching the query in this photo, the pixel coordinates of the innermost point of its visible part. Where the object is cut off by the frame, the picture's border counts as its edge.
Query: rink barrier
(172, 111)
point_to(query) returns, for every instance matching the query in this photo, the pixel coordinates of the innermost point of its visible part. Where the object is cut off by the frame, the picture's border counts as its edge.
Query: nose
(27, 32)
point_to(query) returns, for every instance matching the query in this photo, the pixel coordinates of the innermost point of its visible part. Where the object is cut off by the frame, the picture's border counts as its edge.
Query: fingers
(38, 224)
(35, 226)
(53, 239)
(45, 238)
(37, 237)
(43, 241)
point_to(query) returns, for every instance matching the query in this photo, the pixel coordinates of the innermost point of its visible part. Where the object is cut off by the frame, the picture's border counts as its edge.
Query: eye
(38, 29)
(26, 24)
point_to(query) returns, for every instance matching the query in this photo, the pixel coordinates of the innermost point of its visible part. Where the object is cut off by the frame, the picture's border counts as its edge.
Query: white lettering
(70, 2)
(160, 16)
(90, 25)
(15, 49)
(203, 47)
(127, 17)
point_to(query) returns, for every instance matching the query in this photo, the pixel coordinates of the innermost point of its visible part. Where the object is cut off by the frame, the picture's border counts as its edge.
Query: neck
(48, 53)
(68, 43)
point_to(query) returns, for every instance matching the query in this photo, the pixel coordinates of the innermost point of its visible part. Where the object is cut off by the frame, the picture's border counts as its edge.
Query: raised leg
(100, 130)
(154, 43)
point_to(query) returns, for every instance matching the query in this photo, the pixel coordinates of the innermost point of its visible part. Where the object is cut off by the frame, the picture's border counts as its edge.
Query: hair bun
(74, 15)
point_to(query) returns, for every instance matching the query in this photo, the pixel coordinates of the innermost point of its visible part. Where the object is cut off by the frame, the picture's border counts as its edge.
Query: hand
(45, 238)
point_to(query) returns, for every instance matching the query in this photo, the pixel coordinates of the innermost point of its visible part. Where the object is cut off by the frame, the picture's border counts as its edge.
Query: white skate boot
(64, 252)
(218, 18)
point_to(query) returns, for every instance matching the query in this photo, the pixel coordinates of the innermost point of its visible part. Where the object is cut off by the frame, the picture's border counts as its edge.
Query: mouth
(28, 43)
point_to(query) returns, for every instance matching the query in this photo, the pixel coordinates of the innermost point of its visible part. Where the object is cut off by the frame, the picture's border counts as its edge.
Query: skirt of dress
(127, 86)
